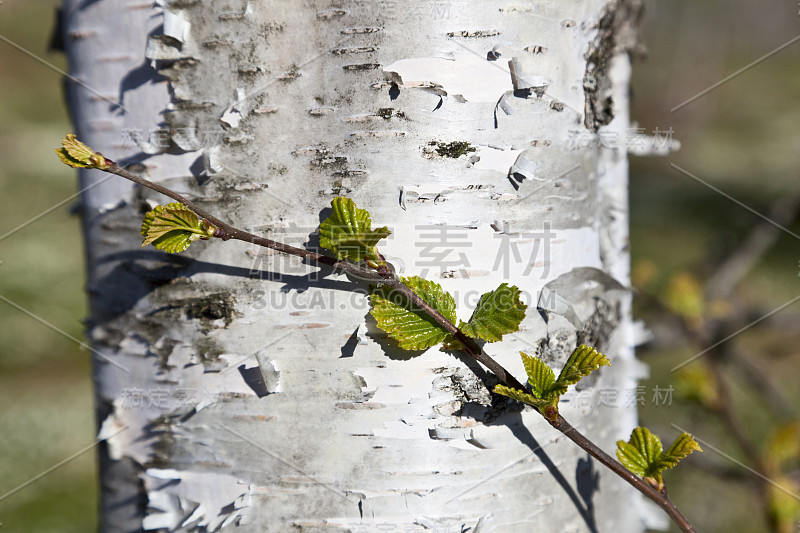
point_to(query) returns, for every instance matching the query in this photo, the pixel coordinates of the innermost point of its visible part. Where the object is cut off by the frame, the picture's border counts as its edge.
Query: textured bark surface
(255, 390)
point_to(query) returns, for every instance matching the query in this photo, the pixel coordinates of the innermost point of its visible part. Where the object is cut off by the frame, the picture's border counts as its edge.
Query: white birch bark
(254, 390)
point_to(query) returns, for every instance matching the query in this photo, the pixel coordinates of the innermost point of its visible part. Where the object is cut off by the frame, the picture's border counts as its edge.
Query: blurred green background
(742, 138)
(45, 379)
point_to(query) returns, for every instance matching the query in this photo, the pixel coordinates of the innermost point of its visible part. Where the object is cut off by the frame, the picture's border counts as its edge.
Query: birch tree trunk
(239, 387)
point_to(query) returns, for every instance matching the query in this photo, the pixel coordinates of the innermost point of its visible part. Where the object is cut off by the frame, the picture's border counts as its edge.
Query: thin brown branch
(615, 466)
(714, 335)
(226, 231)
(229, 232)
(471, 348)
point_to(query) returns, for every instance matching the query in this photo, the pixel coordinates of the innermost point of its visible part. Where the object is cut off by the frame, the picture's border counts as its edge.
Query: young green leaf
(546, 390)
(522, 396)
(75, 154)
(498, 312)
(348, 232)
(173, 228)
(641, 453)
(644, 456)
(541, 377)
(583, 361)
(411, 326)
(683, 446)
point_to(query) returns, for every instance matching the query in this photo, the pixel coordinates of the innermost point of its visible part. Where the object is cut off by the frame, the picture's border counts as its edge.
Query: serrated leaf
(498, 312)
(541, 378)
(545, 392)
(641, 453)
(348, 231)
(583, 361)
(546, 389)
(644, 456)
(75, 154)
(631, 459)
(683, 446)
(411, 327)
(173, 228)
(522, 396)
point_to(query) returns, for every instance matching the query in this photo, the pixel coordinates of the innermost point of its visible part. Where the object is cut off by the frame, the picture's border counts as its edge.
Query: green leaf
(452, 343)
(545, 388)
(644, 456)
(583, 361)
(348, 232)
(522, 396)
(174, 227)
(411, 326)
(541, 378)
(641, 453)
(683, 446)
(545, 391)
(498, 312)
(75, 154)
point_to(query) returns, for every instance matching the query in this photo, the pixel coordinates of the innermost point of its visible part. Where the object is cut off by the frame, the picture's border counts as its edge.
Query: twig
(713, 334)
(226, 231)
(615, 466)
(470, 346)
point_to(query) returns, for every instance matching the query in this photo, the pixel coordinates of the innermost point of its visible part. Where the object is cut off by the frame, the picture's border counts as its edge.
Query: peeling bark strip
(617, 33)
(259, 395)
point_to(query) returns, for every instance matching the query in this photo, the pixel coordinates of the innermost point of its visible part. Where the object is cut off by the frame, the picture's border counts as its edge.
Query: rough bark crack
(617, 32)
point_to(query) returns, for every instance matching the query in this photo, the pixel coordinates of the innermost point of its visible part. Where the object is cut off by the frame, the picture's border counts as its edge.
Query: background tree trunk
(238, 386)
